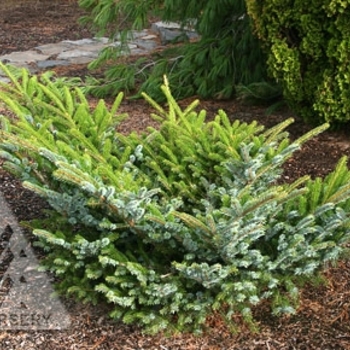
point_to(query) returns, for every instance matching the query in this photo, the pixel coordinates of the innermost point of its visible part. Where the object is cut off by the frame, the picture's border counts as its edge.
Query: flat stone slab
(170, 31)
(53, 49)
(66, 55)
(168, 25)
(84, 51)
(94, 49)
(102, 39)
(52, 63)
(147, 45)
(80, 60)
(86, 44)
(118, 44)
(25, 57)
(134, 34)
(149, 37)
(86, 41)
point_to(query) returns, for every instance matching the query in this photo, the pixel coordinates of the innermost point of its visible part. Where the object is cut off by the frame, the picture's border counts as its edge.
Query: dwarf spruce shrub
(307, 43)
(174, 224)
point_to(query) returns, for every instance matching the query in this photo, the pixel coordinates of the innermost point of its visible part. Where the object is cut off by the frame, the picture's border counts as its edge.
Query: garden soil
(322, 320)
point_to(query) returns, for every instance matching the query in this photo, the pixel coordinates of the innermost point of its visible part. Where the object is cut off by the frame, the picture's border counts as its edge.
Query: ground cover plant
(176, 223)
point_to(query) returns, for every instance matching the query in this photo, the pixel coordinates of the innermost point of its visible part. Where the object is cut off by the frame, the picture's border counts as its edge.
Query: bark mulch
(322, 320)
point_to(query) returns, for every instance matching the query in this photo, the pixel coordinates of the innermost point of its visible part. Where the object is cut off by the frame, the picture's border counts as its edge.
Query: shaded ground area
(322, 321)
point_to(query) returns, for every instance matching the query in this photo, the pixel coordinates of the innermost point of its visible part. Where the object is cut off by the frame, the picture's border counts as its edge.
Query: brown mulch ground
(322, 321)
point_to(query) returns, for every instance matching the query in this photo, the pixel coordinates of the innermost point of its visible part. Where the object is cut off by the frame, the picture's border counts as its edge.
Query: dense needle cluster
(176, 223)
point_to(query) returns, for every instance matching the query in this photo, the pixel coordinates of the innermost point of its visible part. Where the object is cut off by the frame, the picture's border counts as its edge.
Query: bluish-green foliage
(176, 223)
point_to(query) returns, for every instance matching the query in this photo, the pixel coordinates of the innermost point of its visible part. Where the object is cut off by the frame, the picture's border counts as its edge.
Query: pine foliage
(226, 54)
(176, 223)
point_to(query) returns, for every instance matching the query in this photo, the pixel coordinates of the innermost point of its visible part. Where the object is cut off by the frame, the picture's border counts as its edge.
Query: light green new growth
(177, 222)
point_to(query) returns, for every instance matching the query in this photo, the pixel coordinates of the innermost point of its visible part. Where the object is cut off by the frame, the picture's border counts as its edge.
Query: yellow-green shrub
(308, 47)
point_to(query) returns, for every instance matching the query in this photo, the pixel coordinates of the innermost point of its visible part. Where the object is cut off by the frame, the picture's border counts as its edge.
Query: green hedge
(308, 47)
(176, 223)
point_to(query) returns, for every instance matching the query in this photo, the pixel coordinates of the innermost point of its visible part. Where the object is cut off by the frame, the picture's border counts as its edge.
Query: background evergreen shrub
(176, 223)
(227, 53)
(308, 47)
